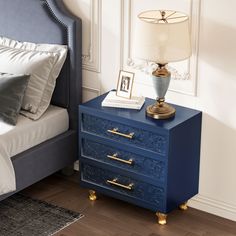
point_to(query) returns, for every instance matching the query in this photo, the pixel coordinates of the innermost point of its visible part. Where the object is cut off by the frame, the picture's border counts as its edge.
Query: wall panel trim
(128, 63)
(92, 60)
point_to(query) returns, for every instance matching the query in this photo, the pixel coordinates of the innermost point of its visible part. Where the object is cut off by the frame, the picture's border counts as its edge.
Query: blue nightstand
(151, 163)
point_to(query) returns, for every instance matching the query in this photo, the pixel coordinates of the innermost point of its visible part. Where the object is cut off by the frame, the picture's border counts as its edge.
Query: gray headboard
(48, 21)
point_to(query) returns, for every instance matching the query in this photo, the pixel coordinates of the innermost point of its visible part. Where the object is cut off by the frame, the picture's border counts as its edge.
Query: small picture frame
(125, 84)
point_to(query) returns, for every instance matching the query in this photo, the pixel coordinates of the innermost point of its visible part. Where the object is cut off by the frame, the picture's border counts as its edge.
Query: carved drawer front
(124, 133)
(122, 184)
(124, 159)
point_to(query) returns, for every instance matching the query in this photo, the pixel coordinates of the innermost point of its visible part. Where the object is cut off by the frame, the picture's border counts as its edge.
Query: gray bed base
(47, 21)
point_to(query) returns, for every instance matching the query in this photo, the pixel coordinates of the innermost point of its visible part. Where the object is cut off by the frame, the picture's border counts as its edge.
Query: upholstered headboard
(48, 21)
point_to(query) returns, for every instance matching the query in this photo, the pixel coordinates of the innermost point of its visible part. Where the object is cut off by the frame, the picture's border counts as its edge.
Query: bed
(48, 21)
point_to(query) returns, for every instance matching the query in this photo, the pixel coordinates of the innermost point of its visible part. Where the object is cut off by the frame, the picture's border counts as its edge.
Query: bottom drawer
(122, 184)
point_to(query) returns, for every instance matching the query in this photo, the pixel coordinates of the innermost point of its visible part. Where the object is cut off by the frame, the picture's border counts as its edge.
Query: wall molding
(189, 77)
(195, 9)
(90, 89)
(214, 206)
(92, 59)
(89, 93)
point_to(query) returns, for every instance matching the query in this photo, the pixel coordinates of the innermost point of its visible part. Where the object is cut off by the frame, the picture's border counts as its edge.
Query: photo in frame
(125, 84)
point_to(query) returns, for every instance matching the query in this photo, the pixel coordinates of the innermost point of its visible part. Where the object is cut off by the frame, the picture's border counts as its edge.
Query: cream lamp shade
(162, 36)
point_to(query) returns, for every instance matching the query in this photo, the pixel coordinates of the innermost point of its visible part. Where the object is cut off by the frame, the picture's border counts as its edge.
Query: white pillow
(37, 64)
(59, 53)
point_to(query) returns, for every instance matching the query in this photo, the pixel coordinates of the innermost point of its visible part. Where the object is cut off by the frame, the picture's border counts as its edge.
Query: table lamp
(162, 36)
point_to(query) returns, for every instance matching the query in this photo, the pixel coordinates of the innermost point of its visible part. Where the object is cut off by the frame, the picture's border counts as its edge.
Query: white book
(136, 106)
(119, 105)
(112, 98)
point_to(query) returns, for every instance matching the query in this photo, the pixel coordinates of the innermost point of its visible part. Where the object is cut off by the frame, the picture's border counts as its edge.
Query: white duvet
(7, 175)
(26, 134)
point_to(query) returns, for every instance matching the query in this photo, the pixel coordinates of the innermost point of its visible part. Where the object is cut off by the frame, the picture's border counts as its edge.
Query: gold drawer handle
(114, 182)
(116, 158)
(116, 131)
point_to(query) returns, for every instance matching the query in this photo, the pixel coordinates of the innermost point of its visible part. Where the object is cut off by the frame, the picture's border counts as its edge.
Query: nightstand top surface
(182, 113)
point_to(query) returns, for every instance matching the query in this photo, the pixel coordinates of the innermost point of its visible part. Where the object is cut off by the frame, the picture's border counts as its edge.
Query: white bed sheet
(26, 134)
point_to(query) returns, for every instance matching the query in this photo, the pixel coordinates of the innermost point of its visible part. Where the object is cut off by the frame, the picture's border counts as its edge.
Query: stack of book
(111, 100)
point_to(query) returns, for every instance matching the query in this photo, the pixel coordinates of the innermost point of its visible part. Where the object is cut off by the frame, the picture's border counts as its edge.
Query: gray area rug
(24, 216)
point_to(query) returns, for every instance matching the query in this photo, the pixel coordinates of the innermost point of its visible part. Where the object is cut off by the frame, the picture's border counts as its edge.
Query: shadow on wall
(217, 45)
(217, 170)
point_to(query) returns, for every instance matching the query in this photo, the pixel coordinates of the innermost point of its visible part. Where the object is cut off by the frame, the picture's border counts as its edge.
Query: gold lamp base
(160, 110)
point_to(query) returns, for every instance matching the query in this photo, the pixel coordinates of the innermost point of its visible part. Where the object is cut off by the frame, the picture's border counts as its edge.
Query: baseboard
(76, 165)
(213, 206)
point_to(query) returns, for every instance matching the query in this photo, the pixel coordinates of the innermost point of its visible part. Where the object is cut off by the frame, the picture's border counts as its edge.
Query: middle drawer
(124, 159)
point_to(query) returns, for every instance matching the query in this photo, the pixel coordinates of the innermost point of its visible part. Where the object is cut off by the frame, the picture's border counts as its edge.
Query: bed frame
(47, 21)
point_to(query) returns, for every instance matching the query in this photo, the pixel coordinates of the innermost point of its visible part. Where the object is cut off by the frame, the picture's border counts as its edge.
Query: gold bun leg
(160, 110)
(92, 195)
(183, 206)
(161, 218)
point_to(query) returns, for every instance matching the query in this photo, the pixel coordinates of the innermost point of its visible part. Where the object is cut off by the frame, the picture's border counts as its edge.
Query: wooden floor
(110, 217)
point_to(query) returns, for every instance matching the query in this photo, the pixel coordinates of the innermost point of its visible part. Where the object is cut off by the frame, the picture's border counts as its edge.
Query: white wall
(107, 33)
(216, 98)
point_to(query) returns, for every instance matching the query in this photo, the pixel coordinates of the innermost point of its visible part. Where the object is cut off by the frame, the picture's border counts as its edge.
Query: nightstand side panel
(183, 162)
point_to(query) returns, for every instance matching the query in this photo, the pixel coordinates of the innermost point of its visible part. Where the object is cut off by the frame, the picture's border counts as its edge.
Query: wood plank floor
(110, 217)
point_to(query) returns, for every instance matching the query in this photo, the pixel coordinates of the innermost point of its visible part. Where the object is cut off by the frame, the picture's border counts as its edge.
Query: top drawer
(124, 133)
